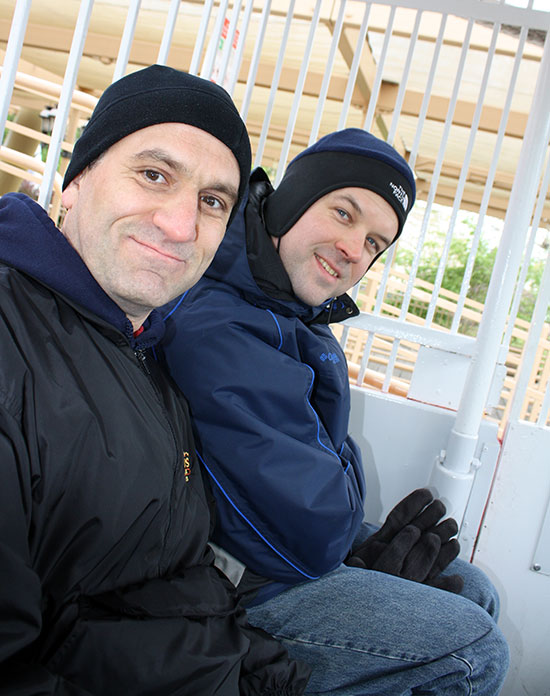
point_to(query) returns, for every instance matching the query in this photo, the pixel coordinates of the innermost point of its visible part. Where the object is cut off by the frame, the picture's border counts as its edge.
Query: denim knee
(489, 660)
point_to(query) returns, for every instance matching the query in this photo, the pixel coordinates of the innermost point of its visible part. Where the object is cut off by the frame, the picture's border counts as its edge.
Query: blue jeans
(365, 632)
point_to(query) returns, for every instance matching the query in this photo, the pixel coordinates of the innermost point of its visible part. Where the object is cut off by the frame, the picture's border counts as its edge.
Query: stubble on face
(149, 215)
(331, 246)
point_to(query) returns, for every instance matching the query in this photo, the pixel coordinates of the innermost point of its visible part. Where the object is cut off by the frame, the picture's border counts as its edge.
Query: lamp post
(47, 118)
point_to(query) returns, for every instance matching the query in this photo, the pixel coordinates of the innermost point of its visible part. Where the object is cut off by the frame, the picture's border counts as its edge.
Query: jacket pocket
(163, 638)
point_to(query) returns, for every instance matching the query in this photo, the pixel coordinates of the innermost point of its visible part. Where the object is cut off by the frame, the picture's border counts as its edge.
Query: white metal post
(11, 59)
(255, 62)
(169, 27)
(201, 37)
(210, 57)
(127, 38)
(454, 471)
(297, 94)
(65, 99)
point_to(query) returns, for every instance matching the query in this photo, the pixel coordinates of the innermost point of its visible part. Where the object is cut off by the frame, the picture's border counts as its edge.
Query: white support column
(64, 106)
(127, 38)
(169, 27)
(454, 471)
(11, 59)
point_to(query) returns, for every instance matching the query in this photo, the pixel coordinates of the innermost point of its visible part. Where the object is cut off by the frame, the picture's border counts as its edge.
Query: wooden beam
(463, 114)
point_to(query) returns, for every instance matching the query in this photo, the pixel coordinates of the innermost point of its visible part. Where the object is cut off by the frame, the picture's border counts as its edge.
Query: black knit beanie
(350, 157)
(159, 94)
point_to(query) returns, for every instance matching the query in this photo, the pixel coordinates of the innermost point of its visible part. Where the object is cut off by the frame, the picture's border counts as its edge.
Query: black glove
(413, 543)
(428, 523)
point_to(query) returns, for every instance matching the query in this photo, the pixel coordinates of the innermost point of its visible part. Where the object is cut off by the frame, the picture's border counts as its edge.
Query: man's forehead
(173, 143)
(179, 133)
(356, 194)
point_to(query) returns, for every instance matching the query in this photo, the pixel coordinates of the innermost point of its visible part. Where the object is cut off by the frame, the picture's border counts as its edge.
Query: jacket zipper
(142, 360)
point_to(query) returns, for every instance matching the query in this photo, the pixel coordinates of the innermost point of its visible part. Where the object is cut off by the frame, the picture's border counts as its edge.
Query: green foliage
(455, 269)
(456, 264)
(6, 131)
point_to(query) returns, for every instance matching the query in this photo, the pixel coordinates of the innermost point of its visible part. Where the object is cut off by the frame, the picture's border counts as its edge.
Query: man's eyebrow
(230, 191)
(355, 205)
(159, 155)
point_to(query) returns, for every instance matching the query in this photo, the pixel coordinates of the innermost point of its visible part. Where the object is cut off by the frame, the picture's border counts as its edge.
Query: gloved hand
(413, 543)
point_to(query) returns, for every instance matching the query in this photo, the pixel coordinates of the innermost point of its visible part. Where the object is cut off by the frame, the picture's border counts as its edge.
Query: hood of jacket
(248, 261)
(31, 243)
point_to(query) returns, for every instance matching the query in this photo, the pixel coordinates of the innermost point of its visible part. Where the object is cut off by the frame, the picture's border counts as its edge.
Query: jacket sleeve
(289, 501)
(20, 591)
(267, 669)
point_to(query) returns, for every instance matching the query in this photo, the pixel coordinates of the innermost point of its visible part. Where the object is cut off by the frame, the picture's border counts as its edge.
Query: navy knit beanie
(159, 94)
(350, 157)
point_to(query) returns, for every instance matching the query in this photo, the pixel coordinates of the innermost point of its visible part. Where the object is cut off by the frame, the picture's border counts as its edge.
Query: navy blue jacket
(268, 389)
(107, 583)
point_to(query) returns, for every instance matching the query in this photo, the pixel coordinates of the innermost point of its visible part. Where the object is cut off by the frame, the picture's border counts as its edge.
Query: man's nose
(178, 219)
(352, 245)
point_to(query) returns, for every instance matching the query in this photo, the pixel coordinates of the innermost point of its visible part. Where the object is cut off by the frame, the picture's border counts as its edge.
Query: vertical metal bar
(391, 137)
(437, 170)
(354, 68)
(201, 37)
(378, 78)
(545, 406)
(274, 85)
(168, 32)
(454, 472)
(127, 38)
(251, 79)
(365, 358)
(65, 98)
(389, 260)
(403, 82)
(228, 44)
(298, 93)
(527, 256)
(489, 183)
(208, 65)
(11, 59)
(388, 265)
(531, 345)
(428, 91)
(462, 177)
(234, 76)
(328, 73)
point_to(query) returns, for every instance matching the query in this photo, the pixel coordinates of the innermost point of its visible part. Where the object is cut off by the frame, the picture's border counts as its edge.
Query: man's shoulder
(23, 299)
(212, 301)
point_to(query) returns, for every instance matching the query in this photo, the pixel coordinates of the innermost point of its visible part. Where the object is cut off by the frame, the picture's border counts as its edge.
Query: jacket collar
(31, 243)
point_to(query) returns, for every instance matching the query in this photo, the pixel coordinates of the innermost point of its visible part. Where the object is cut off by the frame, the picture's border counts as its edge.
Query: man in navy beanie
(385, 612)
(107, 581)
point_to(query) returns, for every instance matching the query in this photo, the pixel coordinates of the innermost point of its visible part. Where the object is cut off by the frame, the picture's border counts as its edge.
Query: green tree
(456, 267)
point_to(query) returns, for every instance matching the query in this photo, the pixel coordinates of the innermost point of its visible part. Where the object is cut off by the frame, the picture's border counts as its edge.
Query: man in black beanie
(107, 582)
(385, 612)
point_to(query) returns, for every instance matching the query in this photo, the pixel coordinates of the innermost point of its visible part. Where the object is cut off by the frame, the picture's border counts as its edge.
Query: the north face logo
(400, 194)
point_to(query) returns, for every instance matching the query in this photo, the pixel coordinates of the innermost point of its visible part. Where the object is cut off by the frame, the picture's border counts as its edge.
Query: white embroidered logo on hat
(400, 194)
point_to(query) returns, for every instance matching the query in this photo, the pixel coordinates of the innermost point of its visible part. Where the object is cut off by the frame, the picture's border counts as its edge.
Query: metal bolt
(536, 567)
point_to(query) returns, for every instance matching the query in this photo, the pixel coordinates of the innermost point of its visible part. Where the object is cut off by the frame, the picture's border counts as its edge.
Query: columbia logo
(332, 357)
(399, 193)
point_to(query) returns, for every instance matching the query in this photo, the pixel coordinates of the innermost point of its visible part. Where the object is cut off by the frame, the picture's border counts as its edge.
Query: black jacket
(106, 579)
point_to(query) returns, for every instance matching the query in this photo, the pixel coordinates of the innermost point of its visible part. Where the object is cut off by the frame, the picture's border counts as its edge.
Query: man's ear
(70, 194)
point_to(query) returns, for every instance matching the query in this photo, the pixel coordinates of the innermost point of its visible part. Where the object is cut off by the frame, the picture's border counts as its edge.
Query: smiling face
(148, 215)
(332, 245)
